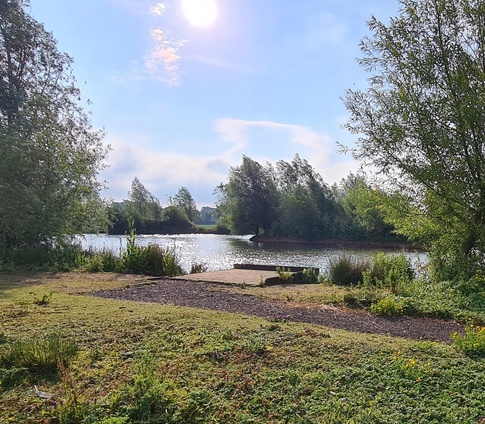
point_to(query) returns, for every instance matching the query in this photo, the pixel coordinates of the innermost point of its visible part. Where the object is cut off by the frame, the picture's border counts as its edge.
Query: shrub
(347, 270)
(198, 268)
(473, 285)
(309, 276)
(391, 271)
(150, 260)
(472, 342)
(388, 306)
(284, 275)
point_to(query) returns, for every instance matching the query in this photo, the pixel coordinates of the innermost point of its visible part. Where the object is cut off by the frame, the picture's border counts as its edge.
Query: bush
(150, 260)
(391, 271)
(284, 275)
(309, 276)
(473, 342)
(347, 270)
(388, 306)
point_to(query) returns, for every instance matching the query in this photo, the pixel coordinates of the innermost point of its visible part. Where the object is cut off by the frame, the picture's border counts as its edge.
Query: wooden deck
(253, 275)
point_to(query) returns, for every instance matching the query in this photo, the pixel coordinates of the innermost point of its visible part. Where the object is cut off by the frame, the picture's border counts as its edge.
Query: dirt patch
(210, 296)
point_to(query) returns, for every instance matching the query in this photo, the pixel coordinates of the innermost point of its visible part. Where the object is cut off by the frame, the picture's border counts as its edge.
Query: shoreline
(335, 243)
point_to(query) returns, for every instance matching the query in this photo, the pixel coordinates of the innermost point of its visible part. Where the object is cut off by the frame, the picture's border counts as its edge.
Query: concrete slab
(234, 276)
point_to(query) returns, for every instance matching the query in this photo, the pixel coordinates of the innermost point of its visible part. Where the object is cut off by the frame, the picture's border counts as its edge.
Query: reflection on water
(218, 252)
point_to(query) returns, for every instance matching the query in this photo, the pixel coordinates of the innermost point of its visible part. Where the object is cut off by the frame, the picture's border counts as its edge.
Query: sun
(200, 12)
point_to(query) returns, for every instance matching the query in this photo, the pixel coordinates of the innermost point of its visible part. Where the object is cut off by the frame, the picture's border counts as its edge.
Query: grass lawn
(149, 363)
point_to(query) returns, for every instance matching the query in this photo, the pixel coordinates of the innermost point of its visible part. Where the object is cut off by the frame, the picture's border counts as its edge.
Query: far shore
(339, 243)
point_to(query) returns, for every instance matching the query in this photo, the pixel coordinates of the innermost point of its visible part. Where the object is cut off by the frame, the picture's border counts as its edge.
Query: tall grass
(40, 354)
(347, 270)
(150, 260)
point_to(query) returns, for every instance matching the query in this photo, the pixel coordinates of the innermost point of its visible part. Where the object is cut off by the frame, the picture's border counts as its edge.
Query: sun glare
(199, 12)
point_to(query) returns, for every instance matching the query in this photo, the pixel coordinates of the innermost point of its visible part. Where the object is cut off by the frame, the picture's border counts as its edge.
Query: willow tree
(250, 198)
(421, 123)
(50, 155)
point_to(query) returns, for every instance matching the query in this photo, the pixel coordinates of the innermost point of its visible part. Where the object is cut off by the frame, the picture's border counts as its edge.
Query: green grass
(141, 362)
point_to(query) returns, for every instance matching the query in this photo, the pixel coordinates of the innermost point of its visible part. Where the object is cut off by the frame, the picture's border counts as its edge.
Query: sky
(182, 102)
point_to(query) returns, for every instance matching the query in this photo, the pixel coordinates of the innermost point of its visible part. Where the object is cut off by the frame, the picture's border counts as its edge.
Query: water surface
(218, 252)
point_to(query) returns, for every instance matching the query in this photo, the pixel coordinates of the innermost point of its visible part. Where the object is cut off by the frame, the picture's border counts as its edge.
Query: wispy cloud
(318, 149)
(158, 9)
(234, 131)
(163, 61)
(163, 173)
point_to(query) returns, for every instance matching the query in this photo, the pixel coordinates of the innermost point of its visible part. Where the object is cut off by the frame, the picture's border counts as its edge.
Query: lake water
(217, 252)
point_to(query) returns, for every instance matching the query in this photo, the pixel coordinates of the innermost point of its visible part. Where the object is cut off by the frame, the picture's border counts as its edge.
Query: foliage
(291, 200)
(364, 205)
(184, 200)
(309, 276)
(391, 270)
(150, 260)
(200, 366)
(142, 205)
(50, 154)
(249, 199)
(420, 124)
(284, 275)
(472, 342)
(307, 207)
(40, 354)
(347, 270)
(388, 306)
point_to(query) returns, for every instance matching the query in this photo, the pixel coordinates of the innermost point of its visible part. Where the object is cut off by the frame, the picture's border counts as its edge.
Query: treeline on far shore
(288, 202)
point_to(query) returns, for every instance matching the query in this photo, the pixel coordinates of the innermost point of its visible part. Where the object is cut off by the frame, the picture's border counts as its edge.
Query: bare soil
(213, 296)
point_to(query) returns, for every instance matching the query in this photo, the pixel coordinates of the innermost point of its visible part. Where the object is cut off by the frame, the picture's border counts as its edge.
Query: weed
(309, 276)
(393, 271)
(198, 268)
(284, 275)
(472, 342)
(150, 260)
(44, 301)
(12, 376)
(388, 306)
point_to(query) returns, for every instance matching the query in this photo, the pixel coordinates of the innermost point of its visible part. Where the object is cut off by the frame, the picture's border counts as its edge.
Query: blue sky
(182, 103)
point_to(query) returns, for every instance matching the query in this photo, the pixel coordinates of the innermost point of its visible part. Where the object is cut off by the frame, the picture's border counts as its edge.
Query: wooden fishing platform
(250, 274)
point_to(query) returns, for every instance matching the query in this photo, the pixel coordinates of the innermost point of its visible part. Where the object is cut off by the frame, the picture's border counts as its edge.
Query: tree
(183, 200)
(50, 155)
(250, 198)
(308, 204)
(363, 204)
(143, 206)
(420, 121)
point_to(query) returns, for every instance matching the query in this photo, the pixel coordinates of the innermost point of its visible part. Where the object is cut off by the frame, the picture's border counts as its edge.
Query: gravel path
(206, 295)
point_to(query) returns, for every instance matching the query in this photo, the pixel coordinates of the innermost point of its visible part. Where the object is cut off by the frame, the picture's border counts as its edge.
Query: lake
(218, 252)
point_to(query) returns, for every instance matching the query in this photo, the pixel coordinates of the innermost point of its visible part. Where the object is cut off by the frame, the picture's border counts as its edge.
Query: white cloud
(163, 173)
(318, 149)
(234, 131)
(158, 9)
(162, 62)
